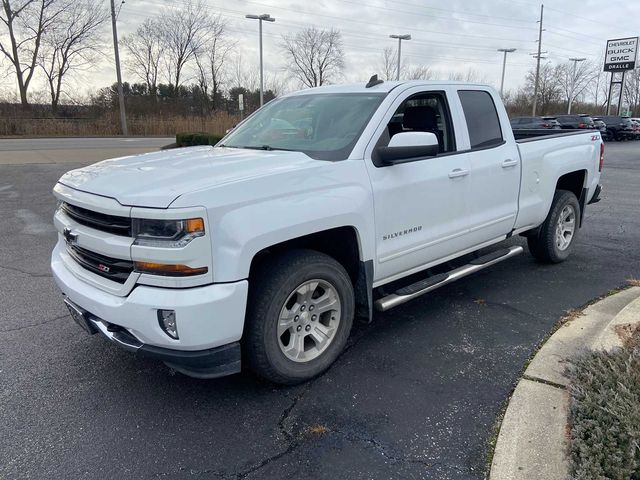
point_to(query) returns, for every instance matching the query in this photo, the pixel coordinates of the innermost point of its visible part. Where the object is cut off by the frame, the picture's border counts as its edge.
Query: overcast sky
(447, 35)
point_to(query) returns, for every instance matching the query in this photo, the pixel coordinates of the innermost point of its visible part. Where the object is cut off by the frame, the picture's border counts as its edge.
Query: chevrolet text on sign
(621, 54)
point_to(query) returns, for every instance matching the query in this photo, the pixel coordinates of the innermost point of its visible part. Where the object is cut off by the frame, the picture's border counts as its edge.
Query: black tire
(543, 245)
(611, 135)
(270, 287)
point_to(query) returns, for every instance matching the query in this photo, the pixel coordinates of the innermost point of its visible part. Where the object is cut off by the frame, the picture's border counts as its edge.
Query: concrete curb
(533, 439)
(620, 328)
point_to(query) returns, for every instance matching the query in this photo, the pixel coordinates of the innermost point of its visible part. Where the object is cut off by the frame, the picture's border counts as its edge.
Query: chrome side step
(429, 284)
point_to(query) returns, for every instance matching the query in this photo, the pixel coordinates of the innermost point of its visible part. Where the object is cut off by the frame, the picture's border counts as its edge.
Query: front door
(421, 206)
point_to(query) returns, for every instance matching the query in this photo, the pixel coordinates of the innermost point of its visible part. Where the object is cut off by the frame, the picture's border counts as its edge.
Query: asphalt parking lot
(414, 396)
(74, 150)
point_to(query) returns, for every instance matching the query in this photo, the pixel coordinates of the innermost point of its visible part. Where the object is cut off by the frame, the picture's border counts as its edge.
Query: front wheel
(300, 312)
(555, 239)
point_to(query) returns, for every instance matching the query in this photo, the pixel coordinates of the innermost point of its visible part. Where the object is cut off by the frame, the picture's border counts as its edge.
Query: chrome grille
(100, 221)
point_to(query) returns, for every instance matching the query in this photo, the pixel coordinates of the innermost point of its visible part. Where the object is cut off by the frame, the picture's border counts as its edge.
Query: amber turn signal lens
(169, 270)
(194, 225)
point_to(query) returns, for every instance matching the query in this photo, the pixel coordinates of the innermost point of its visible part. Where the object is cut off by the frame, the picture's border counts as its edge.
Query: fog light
(167, 320)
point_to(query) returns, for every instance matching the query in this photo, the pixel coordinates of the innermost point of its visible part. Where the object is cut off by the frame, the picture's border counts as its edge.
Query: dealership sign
(621, 54)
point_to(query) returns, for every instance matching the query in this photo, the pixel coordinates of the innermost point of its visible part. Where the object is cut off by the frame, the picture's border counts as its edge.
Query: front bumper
(210, 363)
(209, 318)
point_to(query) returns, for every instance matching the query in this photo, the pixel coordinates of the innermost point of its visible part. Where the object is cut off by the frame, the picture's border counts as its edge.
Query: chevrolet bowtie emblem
(69, 236)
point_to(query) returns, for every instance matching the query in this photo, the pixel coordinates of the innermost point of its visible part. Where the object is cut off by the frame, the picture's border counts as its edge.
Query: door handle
(458, 172)
(509, 163)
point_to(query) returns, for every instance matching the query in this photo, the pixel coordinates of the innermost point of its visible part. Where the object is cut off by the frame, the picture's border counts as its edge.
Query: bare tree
(389, 63)
(632, 90)
(71, 44)
(144, 53)
(573, 84)
(549, 90)
(212, 58)
(242, 74)
(24, 22)
(419, 72)
(598, 88)
(315, 56)
(184, 32)
(469, 75)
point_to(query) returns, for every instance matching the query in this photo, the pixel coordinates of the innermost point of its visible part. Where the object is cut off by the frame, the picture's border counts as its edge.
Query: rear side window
(482, 118)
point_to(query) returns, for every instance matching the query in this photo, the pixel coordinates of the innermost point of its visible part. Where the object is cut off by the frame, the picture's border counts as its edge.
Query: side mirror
(407, 147)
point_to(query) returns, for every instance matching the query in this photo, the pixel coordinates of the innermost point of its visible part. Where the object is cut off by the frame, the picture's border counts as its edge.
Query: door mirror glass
(408, 147)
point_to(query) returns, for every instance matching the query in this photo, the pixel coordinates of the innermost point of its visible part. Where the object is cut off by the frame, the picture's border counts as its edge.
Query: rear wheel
(299, 317)
(556, 236)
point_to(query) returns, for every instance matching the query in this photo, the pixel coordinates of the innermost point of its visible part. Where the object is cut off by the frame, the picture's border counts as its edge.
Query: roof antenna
(373, 81)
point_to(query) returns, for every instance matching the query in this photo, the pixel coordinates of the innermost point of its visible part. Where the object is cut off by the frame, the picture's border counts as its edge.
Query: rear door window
(482, 118)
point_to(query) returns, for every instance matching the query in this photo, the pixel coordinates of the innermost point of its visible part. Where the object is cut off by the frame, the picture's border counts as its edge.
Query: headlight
(166, 233)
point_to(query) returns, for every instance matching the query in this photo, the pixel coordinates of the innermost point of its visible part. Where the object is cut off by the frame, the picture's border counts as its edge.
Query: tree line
(181, 53)
(185, 60)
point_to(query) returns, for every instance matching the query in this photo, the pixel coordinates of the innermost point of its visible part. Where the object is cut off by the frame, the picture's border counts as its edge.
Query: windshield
(323, 126)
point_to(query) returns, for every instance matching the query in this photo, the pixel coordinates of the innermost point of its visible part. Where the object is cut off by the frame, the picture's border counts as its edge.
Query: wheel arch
(575, 182)
(342, 244)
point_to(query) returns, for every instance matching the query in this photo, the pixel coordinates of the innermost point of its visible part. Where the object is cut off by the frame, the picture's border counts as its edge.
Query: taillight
(601, 157)
(546, 125)
(582, 125)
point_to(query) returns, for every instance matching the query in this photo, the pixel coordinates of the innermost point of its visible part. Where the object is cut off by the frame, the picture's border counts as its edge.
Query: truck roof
(383, 87)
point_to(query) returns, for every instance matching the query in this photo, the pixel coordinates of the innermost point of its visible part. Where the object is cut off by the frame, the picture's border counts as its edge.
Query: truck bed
(545, 159)
(533, 135)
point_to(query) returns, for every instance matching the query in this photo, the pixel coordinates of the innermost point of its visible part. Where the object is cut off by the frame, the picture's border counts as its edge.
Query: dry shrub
(605, 414)
(109, 125)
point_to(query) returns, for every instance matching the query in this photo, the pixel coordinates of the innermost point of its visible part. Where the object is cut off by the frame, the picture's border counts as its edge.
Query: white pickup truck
(264, 248)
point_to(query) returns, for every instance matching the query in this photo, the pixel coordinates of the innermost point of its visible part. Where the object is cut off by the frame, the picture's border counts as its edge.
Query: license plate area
(80, 316)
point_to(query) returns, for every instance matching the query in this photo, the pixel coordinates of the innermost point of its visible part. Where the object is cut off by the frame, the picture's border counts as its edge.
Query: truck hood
(157, 179)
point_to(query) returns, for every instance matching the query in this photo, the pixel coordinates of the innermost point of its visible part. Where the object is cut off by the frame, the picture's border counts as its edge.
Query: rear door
(494, 179)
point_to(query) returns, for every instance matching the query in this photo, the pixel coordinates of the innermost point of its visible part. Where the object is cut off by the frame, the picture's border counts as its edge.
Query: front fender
(243, 232)
(247, 217)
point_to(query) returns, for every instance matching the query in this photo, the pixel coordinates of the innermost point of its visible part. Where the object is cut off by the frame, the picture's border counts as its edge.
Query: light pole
(123, 116)
(504, 65)
(400, 38)
(573, 81)
(267, 18)
(538, 57)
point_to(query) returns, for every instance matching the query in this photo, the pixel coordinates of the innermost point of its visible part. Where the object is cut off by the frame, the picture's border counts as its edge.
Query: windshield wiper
(266, 147)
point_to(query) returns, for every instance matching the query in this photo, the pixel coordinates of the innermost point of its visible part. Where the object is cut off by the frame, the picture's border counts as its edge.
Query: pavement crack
(544, 382)
(35, 325)
(511, 308)
(24, 272)
(390, 455)
(287, 411)
(190, 471)
(267, 461)
(293, 441)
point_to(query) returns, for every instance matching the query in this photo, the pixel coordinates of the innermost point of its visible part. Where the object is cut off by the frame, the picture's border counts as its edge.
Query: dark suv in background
(588, 120)
(618, 128)
(520, 123)
(602, 127)
(575, 121)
